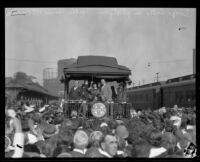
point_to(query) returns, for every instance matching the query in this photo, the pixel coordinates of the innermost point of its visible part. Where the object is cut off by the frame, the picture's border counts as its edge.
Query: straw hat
(122, 131)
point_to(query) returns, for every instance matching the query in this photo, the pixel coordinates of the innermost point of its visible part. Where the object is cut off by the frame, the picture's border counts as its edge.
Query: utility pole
(143, 81)
(157, 75)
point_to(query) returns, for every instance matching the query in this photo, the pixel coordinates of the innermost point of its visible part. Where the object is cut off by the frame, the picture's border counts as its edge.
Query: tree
(23, 77)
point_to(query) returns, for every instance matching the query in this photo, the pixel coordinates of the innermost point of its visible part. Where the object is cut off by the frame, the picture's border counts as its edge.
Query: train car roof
(182, 78)
(97, 66)
(147, 86)
(180, 83)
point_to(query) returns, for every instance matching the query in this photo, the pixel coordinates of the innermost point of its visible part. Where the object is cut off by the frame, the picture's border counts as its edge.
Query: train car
(146, 96)
(179, 91)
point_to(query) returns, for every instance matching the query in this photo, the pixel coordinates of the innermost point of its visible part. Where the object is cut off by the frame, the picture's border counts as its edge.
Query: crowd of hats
(136, 136)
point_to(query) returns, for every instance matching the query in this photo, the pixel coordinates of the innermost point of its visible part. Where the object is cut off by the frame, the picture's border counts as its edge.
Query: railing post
(111, 111)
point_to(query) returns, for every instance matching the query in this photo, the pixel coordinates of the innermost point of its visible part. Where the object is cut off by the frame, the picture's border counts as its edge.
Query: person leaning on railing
(95, 92)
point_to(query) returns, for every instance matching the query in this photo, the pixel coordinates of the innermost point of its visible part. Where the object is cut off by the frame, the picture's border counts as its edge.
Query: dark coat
(76, 154)
(84, 92)
(121, 95)
(106, 91)
(75, 94)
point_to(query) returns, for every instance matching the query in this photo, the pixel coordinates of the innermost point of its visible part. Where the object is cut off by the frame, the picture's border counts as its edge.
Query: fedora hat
(50, 130)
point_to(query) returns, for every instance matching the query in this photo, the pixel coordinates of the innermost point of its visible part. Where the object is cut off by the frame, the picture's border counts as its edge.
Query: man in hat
(49, 131)
(80, 144)
(108, 146)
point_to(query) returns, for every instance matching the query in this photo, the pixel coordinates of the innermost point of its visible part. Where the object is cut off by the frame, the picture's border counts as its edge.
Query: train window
(146, 97)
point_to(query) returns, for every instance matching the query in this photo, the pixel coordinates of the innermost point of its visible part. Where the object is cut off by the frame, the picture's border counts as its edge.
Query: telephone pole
(143, 81)
(157, 75)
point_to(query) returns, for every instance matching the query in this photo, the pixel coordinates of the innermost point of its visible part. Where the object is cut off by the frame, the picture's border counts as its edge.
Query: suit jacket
(75, 94)
(121, 96)
(77, 154)
(106, 91)
(84, 92)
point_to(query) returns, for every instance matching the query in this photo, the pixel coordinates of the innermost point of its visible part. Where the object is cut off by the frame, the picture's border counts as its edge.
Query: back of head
(95, 138)
(48, 149)
(92, 153)
(122, 131)
(81, 139)
(169, 141)
(141, 149)
(65, 136)
(155, 138)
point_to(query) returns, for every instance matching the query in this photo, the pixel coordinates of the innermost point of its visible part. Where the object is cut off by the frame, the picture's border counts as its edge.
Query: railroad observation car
(146, 96)
(95, 68)
(180, 91)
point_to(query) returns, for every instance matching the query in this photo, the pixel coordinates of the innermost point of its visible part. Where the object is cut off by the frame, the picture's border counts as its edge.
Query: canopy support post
(66, 88)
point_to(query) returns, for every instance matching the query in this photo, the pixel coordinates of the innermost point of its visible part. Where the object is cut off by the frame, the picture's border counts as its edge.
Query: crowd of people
(45, 132)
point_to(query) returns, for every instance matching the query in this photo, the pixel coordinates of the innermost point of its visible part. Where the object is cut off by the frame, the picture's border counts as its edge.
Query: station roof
(97, 66)
(31, 87)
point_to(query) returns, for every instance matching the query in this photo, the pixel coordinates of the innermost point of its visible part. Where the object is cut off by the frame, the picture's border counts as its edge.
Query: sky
(135, 36)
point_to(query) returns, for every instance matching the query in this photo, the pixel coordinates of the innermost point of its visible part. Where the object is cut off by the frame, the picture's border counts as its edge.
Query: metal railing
(114, 109)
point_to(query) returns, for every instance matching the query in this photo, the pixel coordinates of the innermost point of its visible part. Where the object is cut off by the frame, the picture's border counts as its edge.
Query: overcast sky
(135, 36)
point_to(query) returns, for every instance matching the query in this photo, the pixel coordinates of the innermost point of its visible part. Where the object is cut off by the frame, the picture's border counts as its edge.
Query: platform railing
(114, 109)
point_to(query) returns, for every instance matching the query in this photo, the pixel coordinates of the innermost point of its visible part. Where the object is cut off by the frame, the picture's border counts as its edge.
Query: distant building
(62, 64)
(8, 80)
(54, 86)
(51, 77)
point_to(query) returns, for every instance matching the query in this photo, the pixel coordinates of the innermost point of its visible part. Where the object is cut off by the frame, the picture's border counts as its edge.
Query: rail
(114, 109)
